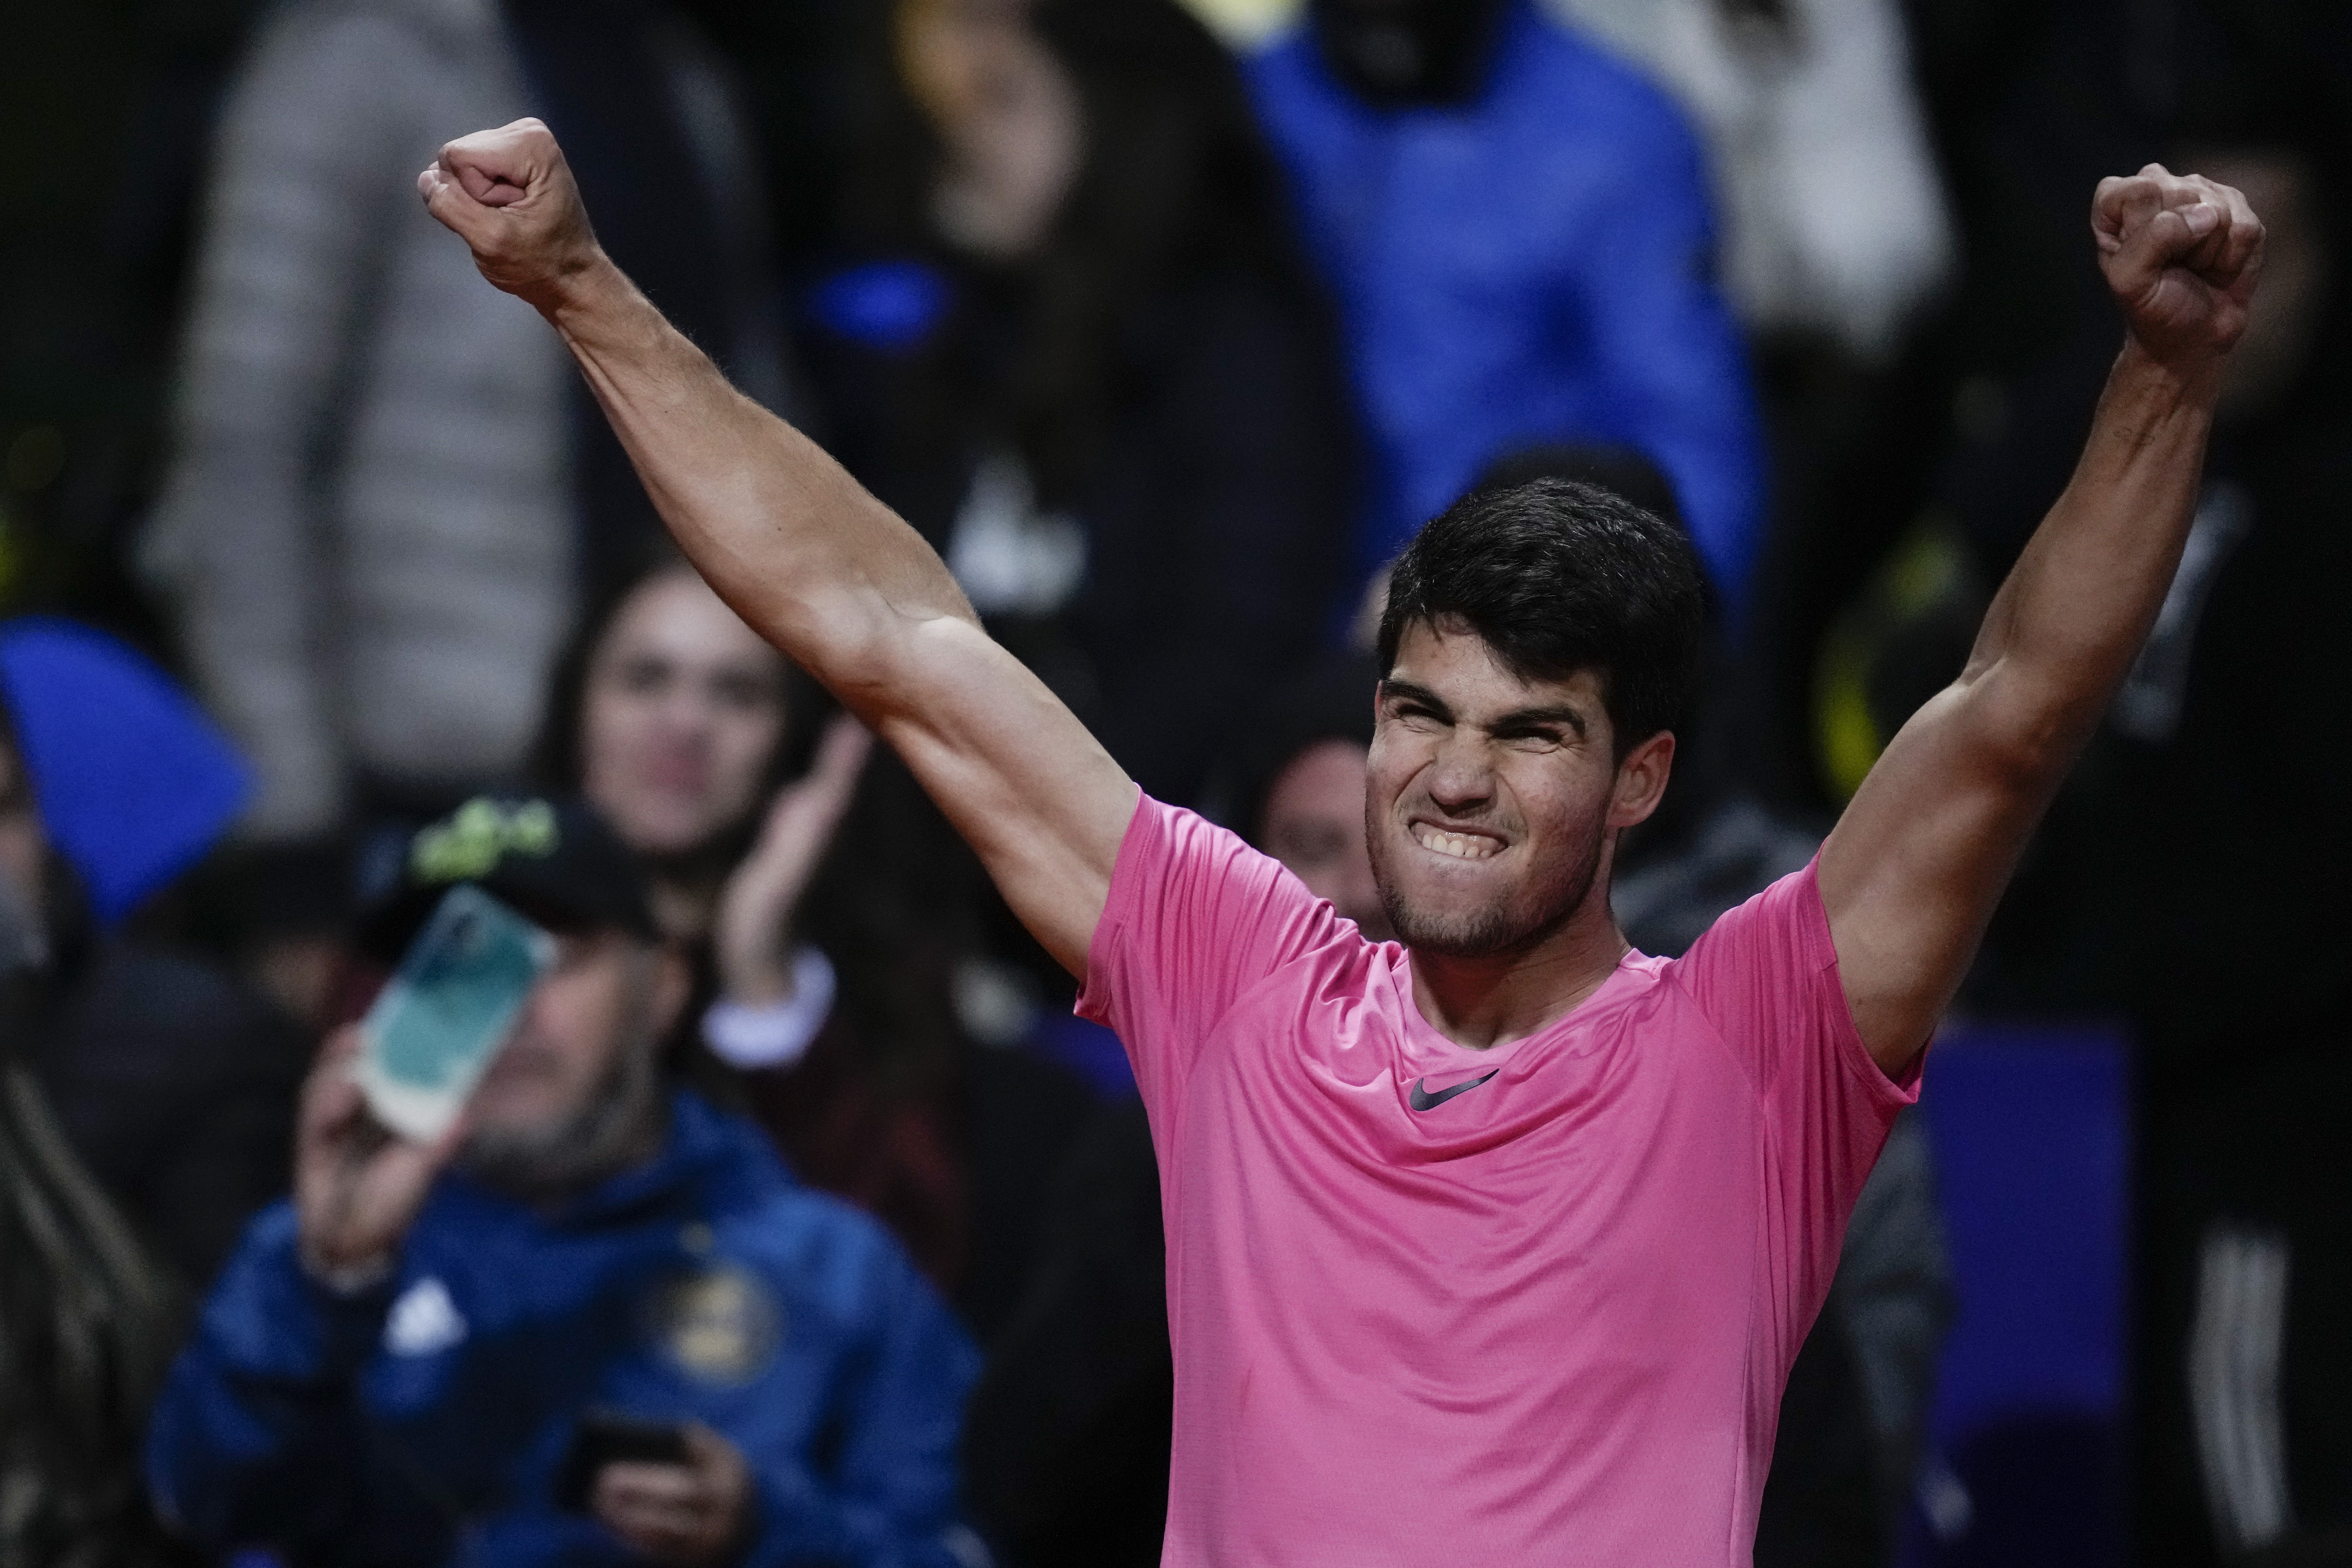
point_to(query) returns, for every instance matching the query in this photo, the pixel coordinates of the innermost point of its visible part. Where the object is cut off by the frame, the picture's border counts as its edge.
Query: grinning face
(1491, 802)
(680, 720)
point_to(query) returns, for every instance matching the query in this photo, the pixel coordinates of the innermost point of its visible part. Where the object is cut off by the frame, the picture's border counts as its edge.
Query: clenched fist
(510, 195)
(2181, 254)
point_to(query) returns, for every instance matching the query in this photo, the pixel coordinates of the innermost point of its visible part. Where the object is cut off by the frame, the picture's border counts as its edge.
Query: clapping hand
(755, 910)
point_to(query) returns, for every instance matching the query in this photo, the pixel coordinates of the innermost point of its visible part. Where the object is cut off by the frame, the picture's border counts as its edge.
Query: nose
(1460, 781)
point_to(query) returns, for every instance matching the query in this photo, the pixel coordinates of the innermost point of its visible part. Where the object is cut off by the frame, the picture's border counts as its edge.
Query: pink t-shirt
(1544, 1320)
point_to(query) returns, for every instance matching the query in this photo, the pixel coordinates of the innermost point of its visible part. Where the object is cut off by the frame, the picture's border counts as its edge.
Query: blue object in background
(2031, 1126)
(134, 783)
(1086, 1049)
(890, 305)
(1532, 268)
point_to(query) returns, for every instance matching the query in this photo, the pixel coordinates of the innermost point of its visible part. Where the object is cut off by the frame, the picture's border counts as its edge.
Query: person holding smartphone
(594, 1320)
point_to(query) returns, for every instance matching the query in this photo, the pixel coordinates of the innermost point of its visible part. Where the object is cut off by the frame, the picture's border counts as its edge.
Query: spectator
(1069, 342)
(389, 487)
(1833, 205)
(1517, 232)
(174, 1084)
(87, 1318)
(391, 1369)
(679, 725)
(1299, 785)
(682, 727)
(2217, 842)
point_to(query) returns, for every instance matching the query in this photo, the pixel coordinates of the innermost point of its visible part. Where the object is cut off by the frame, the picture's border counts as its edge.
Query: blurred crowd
(1166, 323)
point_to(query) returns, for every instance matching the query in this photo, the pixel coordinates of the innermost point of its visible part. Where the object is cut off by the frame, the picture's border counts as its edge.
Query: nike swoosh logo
(1422, 1099)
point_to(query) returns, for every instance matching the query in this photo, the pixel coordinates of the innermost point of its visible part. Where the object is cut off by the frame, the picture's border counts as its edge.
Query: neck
(1493, 999)
(685, 907)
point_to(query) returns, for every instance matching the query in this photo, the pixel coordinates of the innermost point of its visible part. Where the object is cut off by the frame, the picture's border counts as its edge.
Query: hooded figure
(170, 1083)
(87, 1319)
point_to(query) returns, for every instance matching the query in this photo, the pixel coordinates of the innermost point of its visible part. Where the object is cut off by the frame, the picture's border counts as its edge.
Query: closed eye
(1417, 715)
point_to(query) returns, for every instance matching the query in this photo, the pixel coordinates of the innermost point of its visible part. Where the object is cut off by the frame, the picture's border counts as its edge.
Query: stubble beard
(1516, 923)
(620, 1122)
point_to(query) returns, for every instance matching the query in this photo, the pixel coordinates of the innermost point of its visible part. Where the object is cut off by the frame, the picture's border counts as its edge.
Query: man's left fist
(2181, 254)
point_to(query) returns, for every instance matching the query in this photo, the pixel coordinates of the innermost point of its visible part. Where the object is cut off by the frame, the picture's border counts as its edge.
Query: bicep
(1024, 783)
(1911, 873)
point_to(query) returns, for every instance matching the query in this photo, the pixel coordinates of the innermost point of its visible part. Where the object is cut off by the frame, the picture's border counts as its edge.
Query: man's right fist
(2180, 254)
(510, 195)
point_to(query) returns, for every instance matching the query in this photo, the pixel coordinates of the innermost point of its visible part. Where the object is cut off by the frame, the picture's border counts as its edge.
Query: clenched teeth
(1461, 845)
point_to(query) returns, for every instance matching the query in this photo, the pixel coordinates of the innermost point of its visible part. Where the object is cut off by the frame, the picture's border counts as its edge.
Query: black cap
(553, 861)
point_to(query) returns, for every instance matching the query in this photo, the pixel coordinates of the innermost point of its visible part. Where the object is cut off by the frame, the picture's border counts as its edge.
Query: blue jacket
(1534, 267)
(425, 1421)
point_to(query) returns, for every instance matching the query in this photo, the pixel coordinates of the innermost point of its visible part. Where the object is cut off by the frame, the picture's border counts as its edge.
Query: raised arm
(802, 553)
(1912, 871)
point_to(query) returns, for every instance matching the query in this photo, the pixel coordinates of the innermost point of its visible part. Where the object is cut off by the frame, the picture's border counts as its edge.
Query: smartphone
(447, 1010)
(602, 1437)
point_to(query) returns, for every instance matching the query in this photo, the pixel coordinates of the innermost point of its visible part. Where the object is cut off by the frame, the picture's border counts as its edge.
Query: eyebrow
(1516, 719)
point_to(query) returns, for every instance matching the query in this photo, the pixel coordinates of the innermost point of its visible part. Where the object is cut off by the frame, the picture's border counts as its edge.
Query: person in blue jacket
(396, 1364)
(1517, 232)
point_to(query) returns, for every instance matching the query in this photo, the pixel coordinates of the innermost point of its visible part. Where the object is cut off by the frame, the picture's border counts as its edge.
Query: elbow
(2027, 733)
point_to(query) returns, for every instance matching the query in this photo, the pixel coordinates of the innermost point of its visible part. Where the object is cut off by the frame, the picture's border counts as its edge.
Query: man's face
(585, 1038)
(1490, 800)
(1314, 824)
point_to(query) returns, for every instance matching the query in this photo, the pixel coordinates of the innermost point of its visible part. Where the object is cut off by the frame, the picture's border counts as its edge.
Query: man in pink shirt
(1495, 1244)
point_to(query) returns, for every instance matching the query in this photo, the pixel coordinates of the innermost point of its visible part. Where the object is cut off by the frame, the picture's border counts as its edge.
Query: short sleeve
(1766, 976)
(1195, 918)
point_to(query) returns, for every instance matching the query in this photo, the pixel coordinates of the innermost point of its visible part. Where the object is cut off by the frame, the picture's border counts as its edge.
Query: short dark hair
(1557, 576)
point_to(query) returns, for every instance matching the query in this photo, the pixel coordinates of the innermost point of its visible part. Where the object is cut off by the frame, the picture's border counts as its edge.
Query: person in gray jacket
(381, 509)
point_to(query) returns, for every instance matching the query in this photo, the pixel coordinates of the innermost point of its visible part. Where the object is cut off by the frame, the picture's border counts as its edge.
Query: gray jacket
(368, 528)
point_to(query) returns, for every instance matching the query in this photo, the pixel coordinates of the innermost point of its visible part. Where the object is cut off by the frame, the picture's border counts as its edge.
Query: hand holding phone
(681, 1495)
(407, 1067)
(357, 1187)
(447, 1009)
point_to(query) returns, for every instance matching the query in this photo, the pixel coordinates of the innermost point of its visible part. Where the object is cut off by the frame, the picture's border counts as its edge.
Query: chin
(1508, 917)
(1494, 931)
(665, 837)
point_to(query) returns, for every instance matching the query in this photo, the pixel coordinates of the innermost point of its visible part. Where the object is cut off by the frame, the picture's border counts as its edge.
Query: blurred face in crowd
(573, 1094)
(1314, 824)
(24, 843)
(1007, 114)
(1491, 800)
(681, 716)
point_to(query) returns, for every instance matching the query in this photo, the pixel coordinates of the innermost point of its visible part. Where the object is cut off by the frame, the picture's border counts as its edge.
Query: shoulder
(1783, 924)
(1171, 856)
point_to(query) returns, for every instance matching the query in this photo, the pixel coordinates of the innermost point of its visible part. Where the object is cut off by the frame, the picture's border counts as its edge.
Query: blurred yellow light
(1245, 23)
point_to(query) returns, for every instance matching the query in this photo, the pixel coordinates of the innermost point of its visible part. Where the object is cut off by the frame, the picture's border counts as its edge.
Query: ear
(1642, 780)
(673, 987)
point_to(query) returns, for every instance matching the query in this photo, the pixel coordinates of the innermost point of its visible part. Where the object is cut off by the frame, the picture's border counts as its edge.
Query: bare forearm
(800, 549)
(2067, 624)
